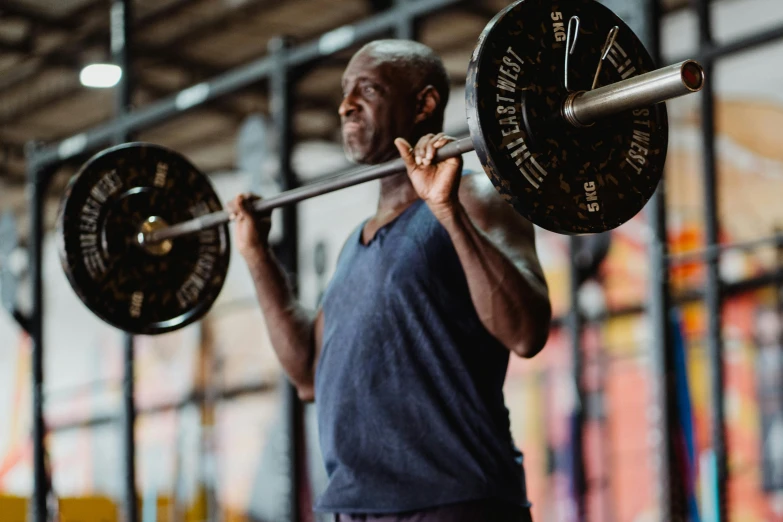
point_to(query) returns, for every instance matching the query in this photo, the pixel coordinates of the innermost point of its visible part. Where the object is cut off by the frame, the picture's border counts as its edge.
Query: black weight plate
(565, 179)
(104, 207)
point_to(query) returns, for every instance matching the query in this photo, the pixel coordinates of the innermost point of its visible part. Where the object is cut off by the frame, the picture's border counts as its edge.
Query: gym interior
(658, 395)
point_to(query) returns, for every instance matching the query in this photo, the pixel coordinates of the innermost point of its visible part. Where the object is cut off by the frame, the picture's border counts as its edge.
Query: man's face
(378, 106)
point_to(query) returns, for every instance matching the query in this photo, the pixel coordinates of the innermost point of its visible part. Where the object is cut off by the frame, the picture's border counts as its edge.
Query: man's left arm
(497, 249)
(495, 245)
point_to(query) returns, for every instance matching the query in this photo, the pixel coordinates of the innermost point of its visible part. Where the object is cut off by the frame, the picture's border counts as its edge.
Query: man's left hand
(436, 183)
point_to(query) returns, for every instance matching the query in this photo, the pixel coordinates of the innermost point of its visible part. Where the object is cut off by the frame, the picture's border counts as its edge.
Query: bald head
(415, 61)
(391, 89)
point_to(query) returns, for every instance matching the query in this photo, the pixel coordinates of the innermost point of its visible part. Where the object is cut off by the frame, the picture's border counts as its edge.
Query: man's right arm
(294, 332)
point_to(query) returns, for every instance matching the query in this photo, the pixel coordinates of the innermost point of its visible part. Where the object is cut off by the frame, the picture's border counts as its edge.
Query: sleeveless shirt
(408, 386)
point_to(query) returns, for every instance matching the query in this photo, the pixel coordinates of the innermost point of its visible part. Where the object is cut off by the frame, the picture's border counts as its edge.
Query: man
(407, 356)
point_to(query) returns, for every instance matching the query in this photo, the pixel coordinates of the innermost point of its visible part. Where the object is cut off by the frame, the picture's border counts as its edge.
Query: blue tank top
(408, 386)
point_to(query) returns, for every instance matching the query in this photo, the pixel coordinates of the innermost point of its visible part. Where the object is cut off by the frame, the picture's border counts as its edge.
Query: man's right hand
(252, 228)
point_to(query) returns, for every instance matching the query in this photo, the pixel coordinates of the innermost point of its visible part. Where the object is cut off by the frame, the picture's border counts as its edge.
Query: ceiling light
(100, 75)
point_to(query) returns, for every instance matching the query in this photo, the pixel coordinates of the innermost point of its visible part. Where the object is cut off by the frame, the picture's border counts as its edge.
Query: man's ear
(428, 100)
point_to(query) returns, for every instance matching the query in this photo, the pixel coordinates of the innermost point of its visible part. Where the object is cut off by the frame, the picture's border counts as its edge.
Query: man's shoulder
(478, 194)
(487, 208)
(475, 185)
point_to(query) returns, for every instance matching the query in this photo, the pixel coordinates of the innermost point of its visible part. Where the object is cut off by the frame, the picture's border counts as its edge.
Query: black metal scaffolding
(281, 88)
(38, 181)
(715, 288)
(669, 490)
(576, 327)
(121, 25)
(713, 284)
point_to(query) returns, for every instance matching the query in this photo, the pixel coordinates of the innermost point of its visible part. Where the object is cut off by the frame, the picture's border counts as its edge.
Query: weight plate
(562, 178)
(106, 204)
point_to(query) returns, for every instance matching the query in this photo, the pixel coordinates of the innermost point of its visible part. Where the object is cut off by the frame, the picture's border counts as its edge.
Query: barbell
(564, 111)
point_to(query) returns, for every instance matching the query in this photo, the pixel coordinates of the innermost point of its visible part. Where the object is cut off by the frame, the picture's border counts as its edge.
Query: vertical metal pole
(644, 18)
(669, 493)
(576, 326)
(37, 181)
(713, 298)
(121, 45)
(210, 370)
(406, 27)
(287, 252)
(128, 431)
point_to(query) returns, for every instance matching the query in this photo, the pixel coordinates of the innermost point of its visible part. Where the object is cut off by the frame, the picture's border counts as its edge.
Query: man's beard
(359, 147)
(353, 153)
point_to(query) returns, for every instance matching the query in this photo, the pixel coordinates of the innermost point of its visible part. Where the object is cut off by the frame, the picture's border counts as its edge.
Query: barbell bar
(568, 126)
(581, 109)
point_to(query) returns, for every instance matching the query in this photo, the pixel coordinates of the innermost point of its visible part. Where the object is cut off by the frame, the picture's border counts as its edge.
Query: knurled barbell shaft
(580, 109)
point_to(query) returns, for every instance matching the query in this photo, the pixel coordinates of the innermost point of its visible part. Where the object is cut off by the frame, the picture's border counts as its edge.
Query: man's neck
(397, 193)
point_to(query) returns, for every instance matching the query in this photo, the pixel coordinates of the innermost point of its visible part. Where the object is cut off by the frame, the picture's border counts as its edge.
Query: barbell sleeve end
(181, 229)
(582, 109)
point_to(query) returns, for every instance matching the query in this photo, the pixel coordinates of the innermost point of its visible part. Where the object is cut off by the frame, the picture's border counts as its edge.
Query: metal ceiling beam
(23, 46)
(379, 5)
(222, 106)
(41, 103)
(25, 71)
(19, 74)
(209, 139)
(163, 14)
(714, 51)
(69, 22)
(71, 60)
(13, 9)
(10, 150)
(55, 97)
(11, 154)
(174, 59)
(70, 50)
(68, 56)
(212, 25)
